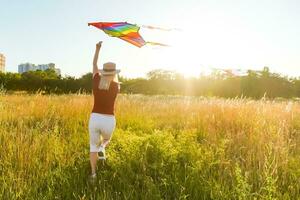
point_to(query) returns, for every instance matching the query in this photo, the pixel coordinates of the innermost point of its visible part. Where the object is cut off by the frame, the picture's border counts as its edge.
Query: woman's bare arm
(95, 60)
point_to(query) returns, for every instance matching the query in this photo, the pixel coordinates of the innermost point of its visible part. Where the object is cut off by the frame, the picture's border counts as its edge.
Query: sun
(186, 52)
(182, 56)
(204, 43)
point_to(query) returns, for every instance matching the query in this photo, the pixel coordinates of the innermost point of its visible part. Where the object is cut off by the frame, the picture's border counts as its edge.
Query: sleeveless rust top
(104, 100)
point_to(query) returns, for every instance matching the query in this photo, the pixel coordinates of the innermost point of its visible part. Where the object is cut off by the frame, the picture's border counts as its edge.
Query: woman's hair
(105, 81)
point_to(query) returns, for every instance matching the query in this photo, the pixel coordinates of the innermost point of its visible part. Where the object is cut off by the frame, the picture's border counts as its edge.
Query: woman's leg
(106, 141)
(93, 160)
(107, 132)
(94, 139)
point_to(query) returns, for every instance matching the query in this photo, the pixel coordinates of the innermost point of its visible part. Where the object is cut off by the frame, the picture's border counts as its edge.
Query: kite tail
(159, 28)
(157, 44)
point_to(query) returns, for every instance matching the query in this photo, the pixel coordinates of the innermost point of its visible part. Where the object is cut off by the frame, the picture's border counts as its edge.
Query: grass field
(163, 148)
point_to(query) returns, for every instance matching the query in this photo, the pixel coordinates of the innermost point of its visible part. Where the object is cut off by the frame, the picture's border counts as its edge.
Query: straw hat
(109, 68)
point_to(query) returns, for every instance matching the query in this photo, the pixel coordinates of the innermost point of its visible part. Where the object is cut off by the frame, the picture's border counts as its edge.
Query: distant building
(25, 67)
(2, 63)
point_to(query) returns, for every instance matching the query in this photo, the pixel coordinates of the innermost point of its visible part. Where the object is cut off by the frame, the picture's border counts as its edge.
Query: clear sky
(246, 34)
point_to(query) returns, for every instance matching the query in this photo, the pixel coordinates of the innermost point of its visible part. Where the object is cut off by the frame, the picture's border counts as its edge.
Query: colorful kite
(125, 31)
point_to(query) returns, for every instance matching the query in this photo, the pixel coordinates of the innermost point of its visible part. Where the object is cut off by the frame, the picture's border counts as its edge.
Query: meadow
(164, 147)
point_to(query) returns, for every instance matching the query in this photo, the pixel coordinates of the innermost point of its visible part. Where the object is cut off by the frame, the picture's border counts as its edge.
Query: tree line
(256, 84)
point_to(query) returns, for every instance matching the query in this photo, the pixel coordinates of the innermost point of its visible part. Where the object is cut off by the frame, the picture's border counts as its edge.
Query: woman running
(102, 120)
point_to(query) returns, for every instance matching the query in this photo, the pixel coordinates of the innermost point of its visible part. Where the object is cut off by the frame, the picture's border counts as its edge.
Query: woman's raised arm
(95, 60)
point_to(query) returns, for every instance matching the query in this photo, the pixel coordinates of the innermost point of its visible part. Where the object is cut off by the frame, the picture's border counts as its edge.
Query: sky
(235, 34)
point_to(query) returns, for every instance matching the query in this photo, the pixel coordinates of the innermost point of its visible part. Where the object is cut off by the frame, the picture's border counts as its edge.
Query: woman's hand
(98, 45)
(95, 60)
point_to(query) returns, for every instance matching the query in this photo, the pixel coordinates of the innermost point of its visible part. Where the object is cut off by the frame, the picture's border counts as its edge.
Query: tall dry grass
(164, 147)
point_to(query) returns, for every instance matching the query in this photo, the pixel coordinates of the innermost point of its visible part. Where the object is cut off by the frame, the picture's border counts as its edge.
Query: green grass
(163, 148)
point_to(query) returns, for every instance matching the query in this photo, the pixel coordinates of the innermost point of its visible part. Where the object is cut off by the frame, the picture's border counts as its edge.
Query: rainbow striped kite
(125, 31)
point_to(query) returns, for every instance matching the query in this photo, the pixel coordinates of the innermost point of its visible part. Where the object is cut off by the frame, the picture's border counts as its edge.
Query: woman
(102, 120)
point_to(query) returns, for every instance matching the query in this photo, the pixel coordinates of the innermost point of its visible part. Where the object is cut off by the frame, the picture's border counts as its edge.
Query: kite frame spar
(125, 31)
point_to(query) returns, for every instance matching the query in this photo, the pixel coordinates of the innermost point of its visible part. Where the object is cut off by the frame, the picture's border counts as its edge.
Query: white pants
(100, 124)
